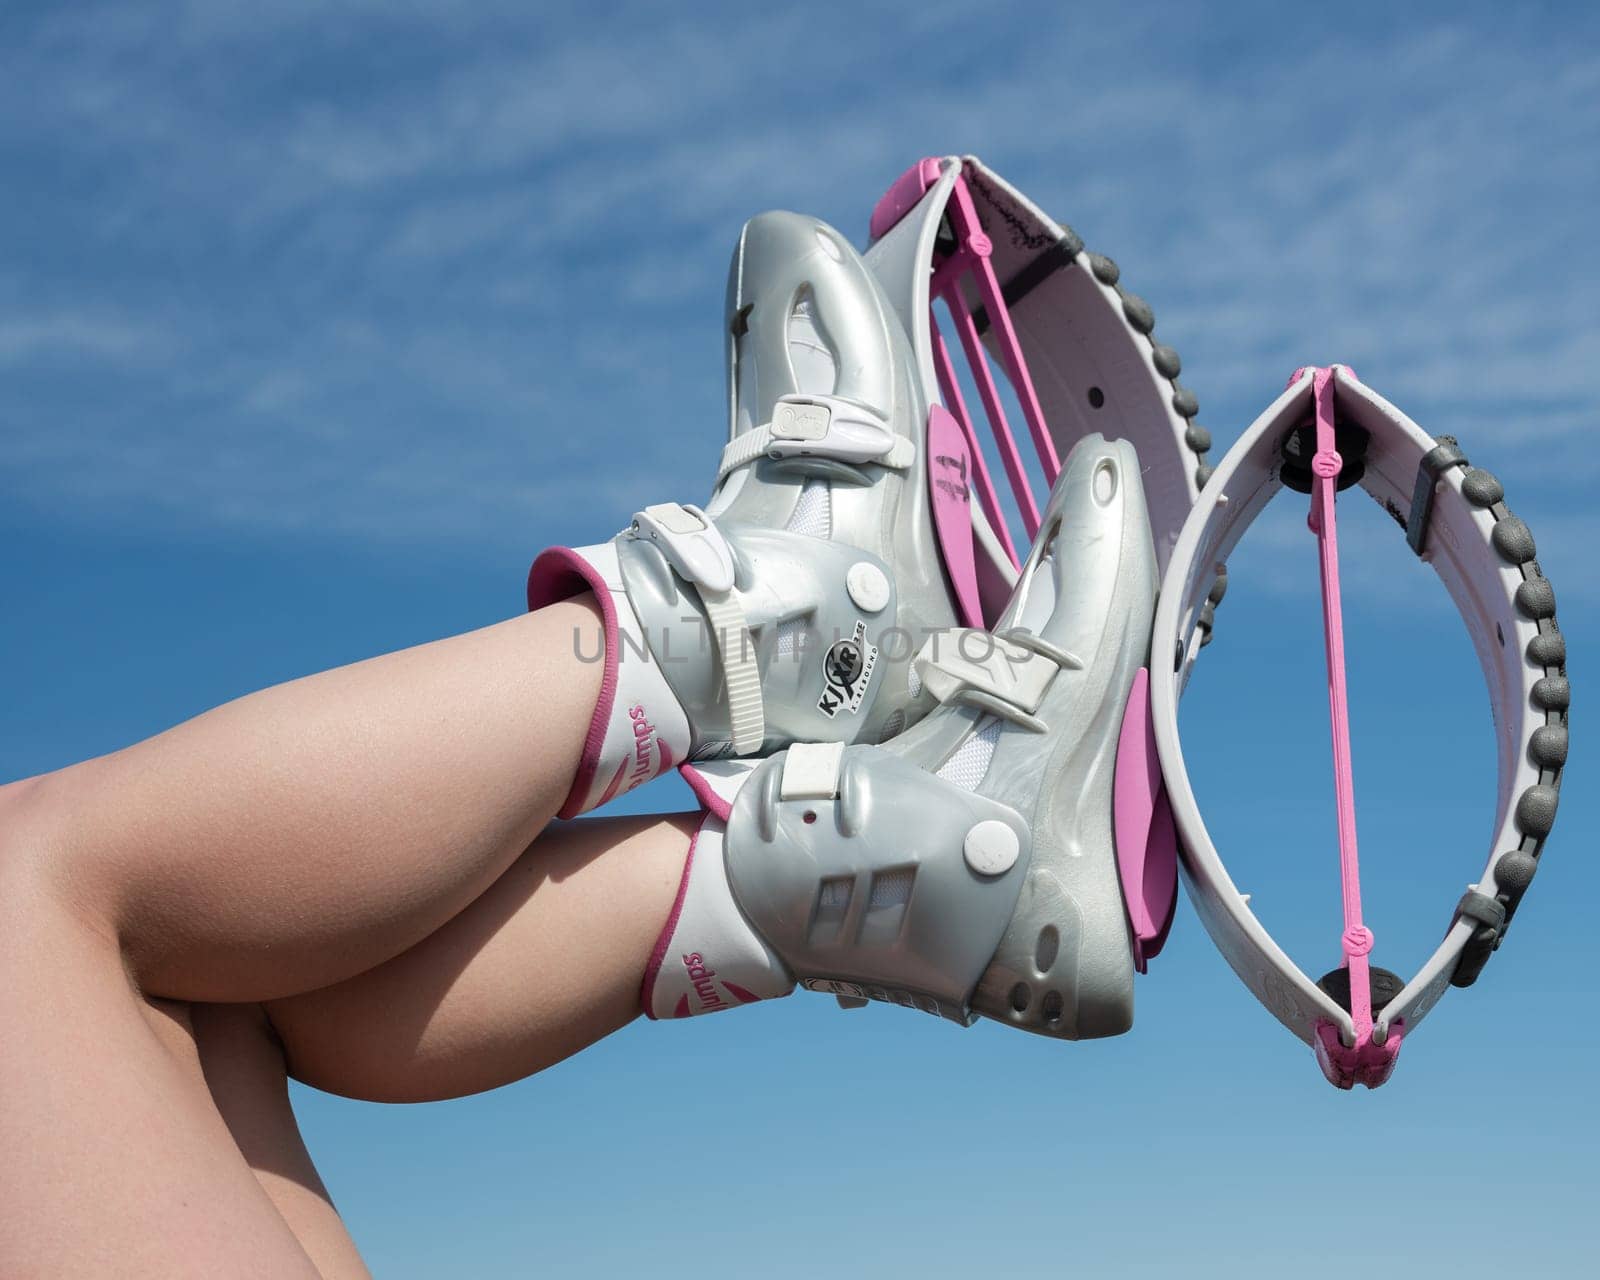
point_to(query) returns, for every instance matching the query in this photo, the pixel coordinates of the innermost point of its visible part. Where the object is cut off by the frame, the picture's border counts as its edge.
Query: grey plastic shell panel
(782, 577)
(791, 861)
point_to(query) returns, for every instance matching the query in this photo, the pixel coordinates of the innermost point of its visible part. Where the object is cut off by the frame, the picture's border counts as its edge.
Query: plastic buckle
(958, 663)
(828, 427)
(692, 544)
(811, 771)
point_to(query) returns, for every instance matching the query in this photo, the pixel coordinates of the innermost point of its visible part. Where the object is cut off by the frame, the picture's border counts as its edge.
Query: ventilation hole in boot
(1044, 954)
(813, 511)
(887, 899)
(1020, 995)
(1050, 1007)
(789, 639)
(1097, 397)
(892, 888)
(893, 727)
(833, 902)
(970, 761)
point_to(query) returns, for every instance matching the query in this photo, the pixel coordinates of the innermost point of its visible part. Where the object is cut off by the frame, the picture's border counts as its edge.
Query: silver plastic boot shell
(805, 316)
(1064, 965)
(880, 890)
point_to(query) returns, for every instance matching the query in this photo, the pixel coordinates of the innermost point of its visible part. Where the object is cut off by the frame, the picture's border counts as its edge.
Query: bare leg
(283, 842)
(113, 1160)
(308, 832)
(471, 1007)
(547, 961)
(244, 1069)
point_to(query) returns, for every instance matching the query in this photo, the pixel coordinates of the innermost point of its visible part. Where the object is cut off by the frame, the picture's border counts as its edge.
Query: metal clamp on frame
(1446, 454)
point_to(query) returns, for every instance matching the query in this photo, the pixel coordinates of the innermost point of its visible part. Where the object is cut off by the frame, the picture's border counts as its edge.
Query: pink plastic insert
(1147, 842)
(949, 489)
(901, 198)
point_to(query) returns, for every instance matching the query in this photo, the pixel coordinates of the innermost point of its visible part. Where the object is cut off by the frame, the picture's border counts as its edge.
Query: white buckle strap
(740, 674)
(999, 675)
(820, 426)
(695, 548)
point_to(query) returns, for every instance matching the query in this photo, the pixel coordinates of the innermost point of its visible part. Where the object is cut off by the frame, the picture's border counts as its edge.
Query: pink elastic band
(1365, 1061)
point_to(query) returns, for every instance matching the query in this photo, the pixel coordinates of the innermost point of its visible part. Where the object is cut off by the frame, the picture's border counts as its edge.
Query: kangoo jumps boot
(1004, 857)
(790, 606)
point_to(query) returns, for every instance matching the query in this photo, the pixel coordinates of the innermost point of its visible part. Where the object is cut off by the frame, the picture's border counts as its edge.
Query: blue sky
(315, 322)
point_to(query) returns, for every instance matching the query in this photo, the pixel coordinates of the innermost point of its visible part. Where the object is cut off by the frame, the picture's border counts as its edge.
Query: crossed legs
(354, 855)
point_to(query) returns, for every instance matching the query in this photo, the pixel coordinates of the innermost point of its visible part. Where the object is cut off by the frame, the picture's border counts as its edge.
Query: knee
(18, 837)
(34, 863)
(42, 907)
(52, 869)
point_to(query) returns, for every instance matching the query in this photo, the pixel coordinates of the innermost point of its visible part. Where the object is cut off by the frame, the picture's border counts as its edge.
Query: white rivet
(868, 586)
(991, 847)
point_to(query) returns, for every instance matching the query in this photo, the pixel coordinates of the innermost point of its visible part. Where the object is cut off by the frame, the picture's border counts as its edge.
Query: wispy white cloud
(63, 333)
(395, 273)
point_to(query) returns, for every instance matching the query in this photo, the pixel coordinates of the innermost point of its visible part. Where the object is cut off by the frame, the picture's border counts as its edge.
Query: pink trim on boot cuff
(659, 954)
(557, 574)
(719, 806)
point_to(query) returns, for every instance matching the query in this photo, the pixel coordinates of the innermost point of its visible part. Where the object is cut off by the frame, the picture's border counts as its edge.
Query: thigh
(305, 833)
(548, 960)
